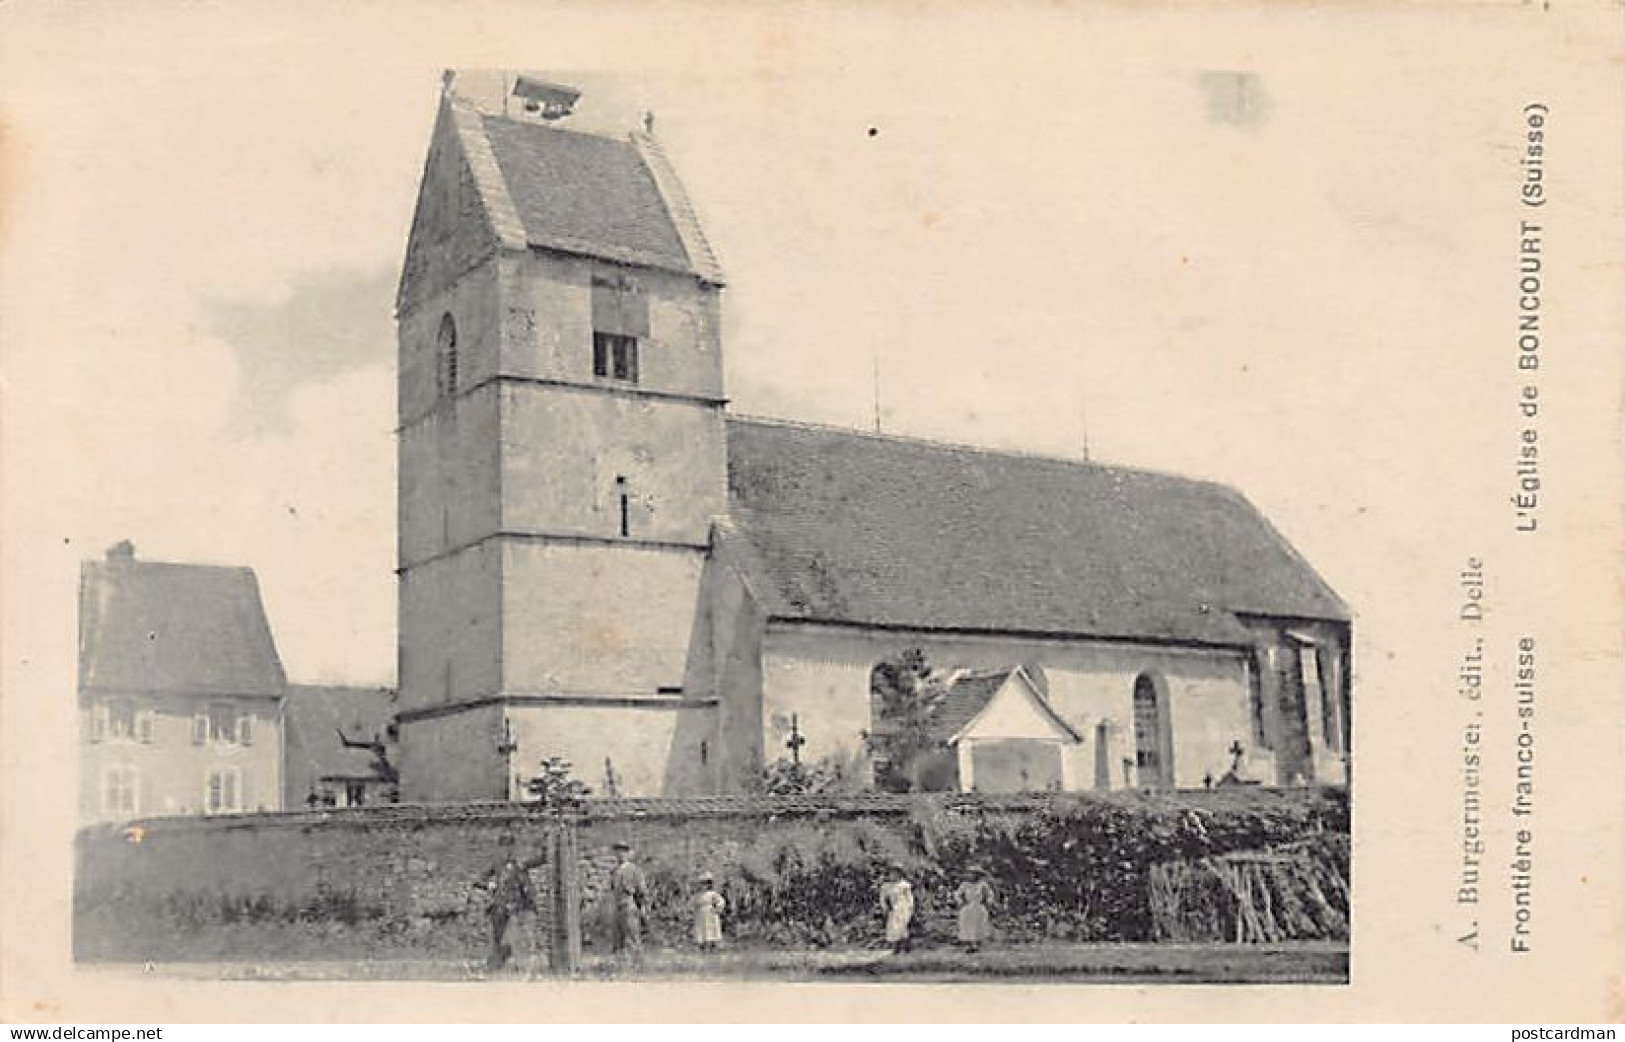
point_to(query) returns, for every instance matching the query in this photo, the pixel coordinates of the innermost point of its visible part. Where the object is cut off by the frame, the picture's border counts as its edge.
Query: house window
(120, 718)
(620, 320)
(223, 790)
(119, 790)
(446, 357)
(223, 723)
(144, 725)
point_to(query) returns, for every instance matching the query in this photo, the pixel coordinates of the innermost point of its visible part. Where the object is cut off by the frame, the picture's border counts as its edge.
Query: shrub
(1070, 868)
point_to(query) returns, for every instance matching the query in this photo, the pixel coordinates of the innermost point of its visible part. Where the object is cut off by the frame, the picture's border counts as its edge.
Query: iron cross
(796, 740)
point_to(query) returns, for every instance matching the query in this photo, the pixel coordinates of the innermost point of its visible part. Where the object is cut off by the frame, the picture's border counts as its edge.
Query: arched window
(1153, 735)
(446, 355)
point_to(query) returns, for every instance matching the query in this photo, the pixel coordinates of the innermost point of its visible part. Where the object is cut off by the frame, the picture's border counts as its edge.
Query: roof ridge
(490, 183)
(981, 450)
(144, 563)
(601, 135)
(678, 205)
(986, 674)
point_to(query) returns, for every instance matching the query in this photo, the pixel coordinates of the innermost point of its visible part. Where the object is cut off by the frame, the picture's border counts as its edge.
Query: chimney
(121, 552)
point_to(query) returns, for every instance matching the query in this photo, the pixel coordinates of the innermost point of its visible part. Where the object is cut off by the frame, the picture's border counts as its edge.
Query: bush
(1070, 868)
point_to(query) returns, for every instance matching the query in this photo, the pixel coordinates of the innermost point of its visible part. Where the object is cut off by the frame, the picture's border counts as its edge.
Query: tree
(553, 787)
(907, 692)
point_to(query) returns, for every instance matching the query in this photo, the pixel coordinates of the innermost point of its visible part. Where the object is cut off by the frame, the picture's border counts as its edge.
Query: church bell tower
(561, 454)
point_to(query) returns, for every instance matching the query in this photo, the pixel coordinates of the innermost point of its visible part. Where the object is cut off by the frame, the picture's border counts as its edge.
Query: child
(897, 902)
(708, 906)
(975, 922)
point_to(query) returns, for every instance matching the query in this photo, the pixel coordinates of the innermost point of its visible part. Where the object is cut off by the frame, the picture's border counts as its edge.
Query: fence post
(564, 953)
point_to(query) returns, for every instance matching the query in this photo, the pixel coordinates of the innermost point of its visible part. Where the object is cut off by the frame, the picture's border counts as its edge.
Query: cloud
(327, 324)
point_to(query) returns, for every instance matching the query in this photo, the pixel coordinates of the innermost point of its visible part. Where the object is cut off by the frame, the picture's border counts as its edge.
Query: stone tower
(561, 454)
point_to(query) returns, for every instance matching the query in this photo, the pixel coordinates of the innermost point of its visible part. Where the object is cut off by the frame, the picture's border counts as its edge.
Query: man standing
(511, 895)
(629, 894)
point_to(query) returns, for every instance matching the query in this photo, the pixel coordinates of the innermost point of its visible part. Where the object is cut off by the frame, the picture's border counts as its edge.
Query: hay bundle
(1295, 892)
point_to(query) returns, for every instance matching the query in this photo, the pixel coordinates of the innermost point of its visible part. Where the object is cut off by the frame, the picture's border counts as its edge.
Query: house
(338, 742)
(180, 691)
(598, 561)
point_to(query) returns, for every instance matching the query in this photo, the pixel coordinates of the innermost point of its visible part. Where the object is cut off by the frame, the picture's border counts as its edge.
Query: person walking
(708, 908)
(511, 896)
(629, 894)
(975, 896)
(897, 903)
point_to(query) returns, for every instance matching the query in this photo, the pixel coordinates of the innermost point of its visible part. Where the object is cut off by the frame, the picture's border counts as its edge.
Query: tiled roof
(146, 626)
(840, 526)
(970, 693)
(966, 697)
(586, 194)
(312, 717)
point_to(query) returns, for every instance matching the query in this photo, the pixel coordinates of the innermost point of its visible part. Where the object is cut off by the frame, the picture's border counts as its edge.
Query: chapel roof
(156, 627)
(840, 526)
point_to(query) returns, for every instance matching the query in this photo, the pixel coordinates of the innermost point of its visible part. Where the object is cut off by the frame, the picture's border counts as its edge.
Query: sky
(1235, 255)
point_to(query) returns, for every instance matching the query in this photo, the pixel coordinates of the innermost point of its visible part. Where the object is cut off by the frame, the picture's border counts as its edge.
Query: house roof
(971, 693)
(840, 526)
(147, 626)
(313, 716)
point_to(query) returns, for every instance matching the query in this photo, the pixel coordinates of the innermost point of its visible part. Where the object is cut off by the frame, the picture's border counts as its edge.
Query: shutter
(245, 730)
(619, 307)
(606, 316)
(634, 312)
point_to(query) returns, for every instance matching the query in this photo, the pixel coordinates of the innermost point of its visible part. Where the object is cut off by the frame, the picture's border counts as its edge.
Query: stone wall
(401, 882)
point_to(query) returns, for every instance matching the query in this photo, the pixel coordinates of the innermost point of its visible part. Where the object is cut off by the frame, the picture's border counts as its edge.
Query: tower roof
(585, 194)
(534, 183)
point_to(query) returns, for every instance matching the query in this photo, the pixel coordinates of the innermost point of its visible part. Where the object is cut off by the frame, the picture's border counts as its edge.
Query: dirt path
(1114, 963)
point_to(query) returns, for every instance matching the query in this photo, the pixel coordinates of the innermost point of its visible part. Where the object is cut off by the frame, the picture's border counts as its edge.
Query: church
(599, 561)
